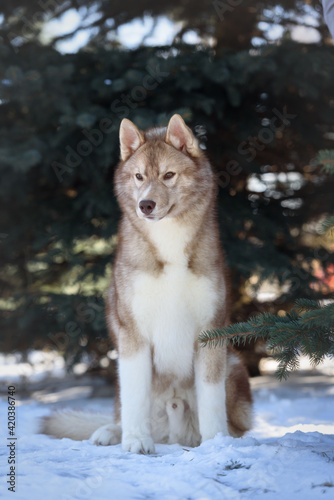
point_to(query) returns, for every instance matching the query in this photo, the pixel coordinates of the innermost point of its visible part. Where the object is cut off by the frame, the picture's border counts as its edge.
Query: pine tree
(308, 329)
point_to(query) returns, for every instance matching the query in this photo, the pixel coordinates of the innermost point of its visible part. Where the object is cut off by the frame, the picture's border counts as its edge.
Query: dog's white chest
(171, 309)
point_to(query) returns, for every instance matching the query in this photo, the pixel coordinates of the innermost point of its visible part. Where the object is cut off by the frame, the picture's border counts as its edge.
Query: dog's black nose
(147, 206)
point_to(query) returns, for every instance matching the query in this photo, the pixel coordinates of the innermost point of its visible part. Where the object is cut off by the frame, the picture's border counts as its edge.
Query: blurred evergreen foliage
(308, 329)
(263, 114)
(232, 24)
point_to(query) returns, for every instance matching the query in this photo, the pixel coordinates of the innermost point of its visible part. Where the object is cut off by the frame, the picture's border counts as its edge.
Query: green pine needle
(326, 158)
(308, 329)
(327, 226)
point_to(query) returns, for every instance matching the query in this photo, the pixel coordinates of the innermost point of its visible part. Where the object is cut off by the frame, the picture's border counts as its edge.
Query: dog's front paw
(107, 435)
(138, 444)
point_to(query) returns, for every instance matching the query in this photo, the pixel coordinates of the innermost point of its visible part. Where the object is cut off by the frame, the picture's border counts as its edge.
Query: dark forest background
(253, 79)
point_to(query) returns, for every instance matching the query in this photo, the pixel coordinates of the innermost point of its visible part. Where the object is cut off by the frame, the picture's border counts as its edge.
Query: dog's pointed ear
(130, 138)
(181, 137)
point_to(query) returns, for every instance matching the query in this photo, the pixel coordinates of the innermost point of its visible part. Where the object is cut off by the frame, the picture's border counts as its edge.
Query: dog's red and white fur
(169, 285)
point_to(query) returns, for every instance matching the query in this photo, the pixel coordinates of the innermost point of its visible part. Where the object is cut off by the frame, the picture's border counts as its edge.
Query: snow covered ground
(289, 454)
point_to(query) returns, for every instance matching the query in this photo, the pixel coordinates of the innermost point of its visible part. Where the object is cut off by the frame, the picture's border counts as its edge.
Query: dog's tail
(73, 424)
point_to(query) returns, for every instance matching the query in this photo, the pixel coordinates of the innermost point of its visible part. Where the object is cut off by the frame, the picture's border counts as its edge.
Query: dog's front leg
(210, 376)
(135, 372)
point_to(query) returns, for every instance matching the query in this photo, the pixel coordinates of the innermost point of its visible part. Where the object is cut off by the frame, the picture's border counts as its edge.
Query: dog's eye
(169, 175)
(139, 177)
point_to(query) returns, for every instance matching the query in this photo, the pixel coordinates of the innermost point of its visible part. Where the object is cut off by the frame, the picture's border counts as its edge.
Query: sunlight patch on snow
(264, 429)
(64, 395)
(322, 428)
(269, 365)
(36, 366)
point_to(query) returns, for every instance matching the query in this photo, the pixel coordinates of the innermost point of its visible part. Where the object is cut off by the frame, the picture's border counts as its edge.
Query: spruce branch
(327, 226)
(308, 330)
(325, 157)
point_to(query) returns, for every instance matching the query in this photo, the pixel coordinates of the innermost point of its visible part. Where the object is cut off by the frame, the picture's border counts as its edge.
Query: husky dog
(169, 284)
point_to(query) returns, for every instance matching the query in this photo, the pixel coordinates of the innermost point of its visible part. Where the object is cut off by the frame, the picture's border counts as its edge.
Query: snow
(289, 454)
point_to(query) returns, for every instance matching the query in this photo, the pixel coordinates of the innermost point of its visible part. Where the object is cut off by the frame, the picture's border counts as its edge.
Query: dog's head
(163, 172)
